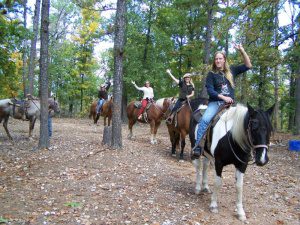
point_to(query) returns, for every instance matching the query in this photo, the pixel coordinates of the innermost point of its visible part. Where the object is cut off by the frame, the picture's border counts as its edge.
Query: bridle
(250, 142)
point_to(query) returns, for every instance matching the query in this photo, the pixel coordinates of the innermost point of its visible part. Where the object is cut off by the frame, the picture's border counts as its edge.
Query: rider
(186, 92)
(148, 95)
(220, 88)
(102, 95)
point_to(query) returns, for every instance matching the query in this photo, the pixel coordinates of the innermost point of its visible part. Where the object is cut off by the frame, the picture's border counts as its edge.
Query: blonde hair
(189, 75)
(227, 71)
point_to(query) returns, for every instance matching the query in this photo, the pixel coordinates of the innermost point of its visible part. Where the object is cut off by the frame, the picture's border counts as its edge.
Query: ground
(80, 181)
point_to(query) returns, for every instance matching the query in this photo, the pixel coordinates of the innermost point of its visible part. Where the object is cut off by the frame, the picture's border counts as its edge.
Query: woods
(178, 34)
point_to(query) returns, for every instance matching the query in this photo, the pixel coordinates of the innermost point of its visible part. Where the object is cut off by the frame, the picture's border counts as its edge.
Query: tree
(32, 56)
(44, 138)
(119, 42)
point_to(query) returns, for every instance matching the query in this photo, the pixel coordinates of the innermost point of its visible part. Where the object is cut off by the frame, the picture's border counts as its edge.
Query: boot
(197, 152)
(169, 120)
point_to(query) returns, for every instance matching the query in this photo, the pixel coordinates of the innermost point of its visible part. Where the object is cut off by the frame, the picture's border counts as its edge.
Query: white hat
(187, 75)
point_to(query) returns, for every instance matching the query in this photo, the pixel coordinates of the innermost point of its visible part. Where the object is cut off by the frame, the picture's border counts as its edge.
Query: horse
(25, 110)
(180, 125)
(240, 135)
(155, 113)
(106, 111)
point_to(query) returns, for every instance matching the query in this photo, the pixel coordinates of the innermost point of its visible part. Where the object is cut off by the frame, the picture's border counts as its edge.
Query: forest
(181, 35)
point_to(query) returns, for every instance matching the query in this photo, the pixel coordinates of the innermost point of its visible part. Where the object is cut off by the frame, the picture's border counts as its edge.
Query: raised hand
(133, 82)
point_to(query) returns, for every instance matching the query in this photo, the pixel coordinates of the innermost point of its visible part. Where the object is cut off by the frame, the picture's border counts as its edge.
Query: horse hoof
(214, 209)
(197, 191)
(173, 154)
(242, 218)
(206, 190)
(181, 160)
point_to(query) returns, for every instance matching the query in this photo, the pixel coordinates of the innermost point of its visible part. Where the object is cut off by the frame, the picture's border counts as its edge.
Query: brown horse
(106, 111)
(180, 125)
(155, 113)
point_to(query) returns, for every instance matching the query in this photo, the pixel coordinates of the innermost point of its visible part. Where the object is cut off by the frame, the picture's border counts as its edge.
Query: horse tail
(91, 111)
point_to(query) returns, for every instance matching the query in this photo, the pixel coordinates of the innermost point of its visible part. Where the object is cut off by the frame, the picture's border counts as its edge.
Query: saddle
(21, 104)
(138, 105)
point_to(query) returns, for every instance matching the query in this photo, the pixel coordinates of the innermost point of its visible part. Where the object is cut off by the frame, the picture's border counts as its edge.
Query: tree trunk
(119, 41)
(107, 135)
(276, 79)
(207, 48)
(44, 138)
(148, 33)
(33, 47)
(24, 50)
(297, 98)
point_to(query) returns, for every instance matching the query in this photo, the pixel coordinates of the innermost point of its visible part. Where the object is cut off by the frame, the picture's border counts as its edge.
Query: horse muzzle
(261, 155)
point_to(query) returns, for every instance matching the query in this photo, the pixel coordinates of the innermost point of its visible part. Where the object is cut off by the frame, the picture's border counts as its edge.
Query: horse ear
(271, 110)
(250, 109)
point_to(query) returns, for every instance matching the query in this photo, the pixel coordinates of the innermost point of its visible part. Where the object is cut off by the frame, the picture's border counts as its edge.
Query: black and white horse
(240, 133)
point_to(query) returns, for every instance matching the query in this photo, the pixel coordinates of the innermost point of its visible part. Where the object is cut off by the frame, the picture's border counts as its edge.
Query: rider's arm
(171, 75)
(191, 95)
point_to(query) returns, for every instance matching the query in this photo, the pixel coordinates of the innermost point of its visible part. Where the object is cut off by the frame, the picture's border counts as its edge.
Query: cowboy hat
(187, 75)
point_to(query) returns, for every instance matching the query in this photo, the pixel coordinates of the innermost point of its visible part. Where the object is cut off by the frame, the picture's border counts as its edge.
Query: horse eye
(254, 124)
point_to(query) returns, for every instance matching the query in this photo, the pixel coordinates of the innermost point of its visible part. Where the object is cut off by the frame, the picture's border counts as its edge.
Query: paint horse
(154, 114)
(28, 109)
(106, 111)
(180, 125)
(240, 134)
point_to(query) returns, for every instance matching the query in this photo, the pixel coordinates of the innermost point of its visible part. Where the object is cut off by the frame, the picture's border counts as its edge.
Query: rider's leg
(175, 108)
(144, 104)
(208, 115)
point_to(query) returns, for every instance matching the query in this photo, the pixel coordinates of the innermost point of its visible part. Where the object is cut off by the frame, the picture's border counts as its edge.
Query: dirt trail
(79, 181)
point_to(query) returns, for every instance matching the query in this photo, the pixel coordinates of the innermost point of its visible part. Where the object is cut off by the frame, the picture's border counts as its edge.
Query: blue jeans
(49, 126)
(208, 115)
(99, 105)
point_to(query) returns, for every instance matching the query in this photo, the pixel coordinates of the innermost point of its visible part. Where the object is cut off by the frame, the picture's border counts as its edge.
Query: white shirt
(148, 91)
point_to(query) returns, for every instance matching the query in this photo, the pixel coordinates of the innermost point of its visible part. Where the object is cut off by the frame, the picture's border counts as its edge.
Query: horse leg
(239, 192)
(5, 127)
(205, 187)
(182, 144)
(31, 125)
(152, 131)
(131, 122)
(173, 142)
(155, 131)
(105, 121)
(217, 186)
(198, 167)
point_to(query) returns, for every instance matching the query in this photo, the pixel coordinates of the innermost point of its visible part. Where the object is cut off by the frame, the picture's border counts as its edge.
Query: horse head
(53, 104)
(259, 132)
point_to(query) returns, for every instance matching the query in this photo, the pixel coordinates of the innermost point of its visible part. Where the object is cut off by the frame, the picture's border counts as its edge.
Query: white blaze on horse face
(219, 131)
(263, 156)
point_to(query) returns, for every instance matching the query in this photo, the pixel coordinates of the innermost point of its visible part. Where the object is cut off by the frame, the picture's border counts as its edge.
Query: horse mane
(237, 115)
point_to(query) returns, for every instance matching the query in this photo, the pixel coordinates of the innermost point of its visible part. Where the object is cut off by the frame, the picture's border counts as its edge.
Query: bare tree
(119, 42)
(44, 140)
(33, 46)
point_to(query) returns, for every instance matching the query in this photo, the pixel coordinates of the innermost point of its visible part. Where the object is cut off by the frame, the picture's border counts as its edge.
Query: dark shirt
(217, 83)
(102, 94)
(184, 89)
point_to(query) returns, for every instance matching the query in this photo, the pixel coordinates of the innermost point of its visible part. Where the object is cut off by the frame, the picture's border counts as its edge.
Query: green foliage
(3, 220)
(73, 204)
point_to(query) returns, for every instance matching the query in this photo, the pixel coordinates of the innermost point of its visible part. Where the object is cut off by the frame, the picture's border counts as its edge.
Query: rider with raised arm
(148, 95)
(186, 87)
(220, 88)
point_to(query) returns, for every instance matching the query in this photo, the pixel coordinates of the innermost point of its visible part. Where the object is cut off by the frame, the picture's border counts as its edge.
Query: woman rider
(220, 88)
(148, 95)
(186, 87)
